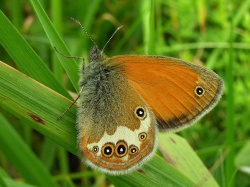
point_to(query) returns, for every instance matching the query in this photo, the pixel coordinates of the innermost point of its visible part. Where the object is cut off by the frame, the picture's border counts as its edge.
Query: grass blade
(69, 65)
(230, 133)
(25, 57)
(19, 95)
(22, 157)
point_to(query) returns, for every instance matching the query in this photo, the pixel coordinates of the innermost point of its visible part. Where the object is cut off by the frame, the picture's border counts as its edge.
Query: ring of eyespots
(108, 149)
(140, 113)
(121, 149)
(133, 149)
(142, 136)
(199, 91)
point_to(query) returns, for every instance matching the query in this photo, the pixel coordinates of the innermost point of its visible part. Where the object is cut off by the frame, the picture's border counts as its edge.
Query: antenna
(111, 37)
(66, 55)
(78, 22)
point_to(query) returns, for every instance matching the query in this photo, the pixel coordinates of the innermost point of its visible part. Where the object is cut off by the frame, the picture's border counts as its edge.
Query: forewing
(178, 92)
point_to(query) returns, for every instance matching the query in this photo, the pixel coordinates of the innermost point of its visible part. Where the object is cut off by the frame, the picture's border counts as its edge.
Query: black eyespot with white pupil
(95, 149)
(133, 150)
(108, 149)
(121, 148)
(199, 91)
(142, 136)
(140, 113)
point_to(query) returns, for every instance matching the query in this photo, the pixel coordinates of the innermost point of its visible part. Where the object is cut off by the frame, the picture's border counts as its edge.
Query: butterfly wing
(116, 126)
(178, 92)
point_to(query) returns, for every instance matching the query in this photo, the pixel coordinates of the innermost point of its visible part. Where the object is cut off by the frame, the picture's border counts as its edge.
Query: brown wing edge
(170, 126)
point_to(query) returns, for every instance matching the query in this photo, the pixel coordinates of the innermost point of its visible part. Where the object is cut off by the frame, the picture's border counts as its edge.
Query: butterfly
(125, 100)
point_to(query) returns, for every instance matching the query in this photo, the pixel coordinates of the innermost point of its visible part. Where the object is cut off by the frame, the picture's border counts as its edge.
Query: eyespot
(140, 112)
(95, 149)
(121, 149)
(133, 149)
(142, 136)
(108, 149)
(199, 91)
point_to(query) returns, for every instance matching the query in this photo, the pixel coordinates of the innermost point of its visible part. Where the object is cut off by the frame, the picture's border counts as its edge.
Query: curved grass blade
(22, 158)
(69, 64)
(25, 57)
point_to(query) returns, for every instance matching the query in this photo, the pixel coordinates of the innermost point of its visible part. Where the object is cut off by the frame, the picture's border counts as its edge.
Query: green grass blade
(56, 16)
(8, 182)
(25, 57)
(242, 160)
(87, 17)
(12, 183)
(69, 65)
(48, 147)
(157, 172)
(178, 153)
(147, 25)
(23, 159)
(230, 131)
(38, 106)
(152, 31)
(2, 182)
(16, 12)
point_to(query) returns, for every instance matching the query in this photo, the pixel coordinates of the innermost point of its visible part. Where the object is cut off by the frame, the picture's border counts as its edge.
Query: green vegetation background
(213, 33)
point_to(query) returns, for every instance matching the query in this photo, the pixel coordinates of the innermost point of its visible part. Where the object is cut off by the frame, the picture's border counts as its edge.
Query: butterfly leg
(78, 96)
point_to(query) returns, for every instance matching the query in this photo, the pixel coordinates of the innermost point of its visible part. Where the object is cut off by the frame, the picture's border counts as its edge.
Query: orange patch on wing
(168, 86)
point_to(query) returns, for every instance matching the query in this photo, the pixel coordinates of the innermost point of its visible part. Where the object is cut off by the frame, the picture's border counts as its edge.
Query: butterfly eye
(199, 91)
(140, 113)
(95, 149)
(142, 136)
(133, 150)
(108, 149)
(121, 149)
(106, 71)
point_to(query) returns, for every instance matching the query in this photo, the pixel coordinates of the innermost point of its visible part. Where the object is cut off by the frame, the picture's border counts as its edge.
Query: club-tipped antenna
(111, 37)
(78, 22)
